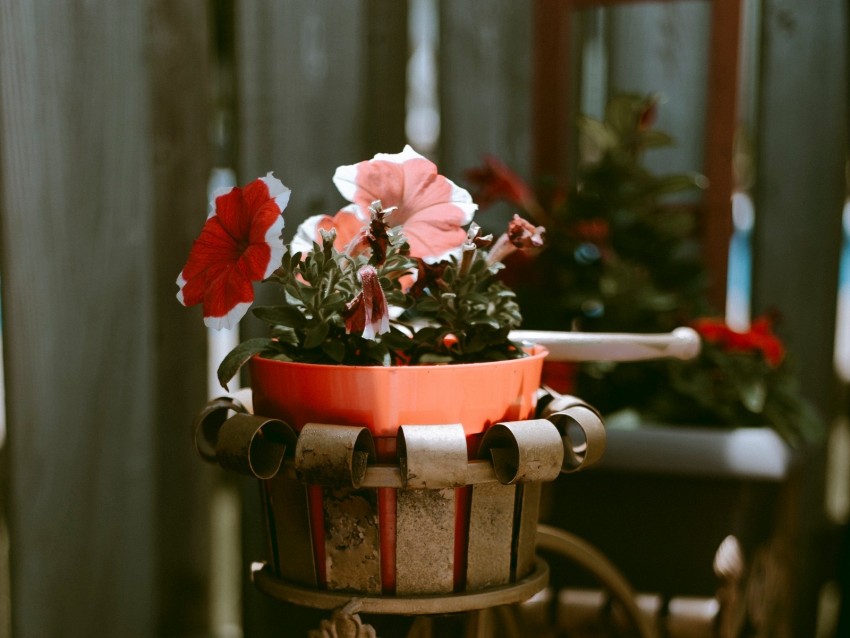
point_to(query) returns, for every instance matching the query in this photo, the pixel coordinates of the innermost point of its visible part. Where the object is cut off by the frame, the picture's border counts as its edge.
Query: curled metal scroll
(564, 411)
(432, 456)
(254, 445)
(333, 454)
(523, 451)
(208, 424)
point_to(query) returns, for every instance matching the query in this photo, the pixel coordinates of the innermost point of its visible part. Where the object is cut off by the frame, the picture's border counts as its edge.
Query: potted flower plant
(398, 279)
(696, 449)
(623, 257)
(391, 314)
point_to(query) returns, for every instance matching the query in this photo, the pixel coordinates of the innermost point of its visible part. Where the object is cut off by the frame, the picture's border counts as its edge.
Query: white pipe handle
(683, 343)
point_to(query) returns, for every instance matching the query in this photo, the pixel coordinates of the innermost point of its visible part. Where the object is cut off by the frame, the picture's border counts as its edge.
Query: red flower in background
(648, 114)
(494, 181)
(760, 338)
(594, 230)
(239, 243)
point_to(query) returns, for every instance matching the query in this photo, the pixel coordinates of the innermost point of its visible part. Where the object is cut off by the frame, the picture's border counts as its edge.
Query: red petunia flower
(239, 243)
(494, 181)
(368, 311)
(431, 208)
(760, 338)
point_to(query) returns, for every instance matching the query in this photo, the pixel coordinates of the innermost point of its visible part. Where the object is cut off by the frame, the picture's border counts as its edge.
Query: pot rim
(534, 353)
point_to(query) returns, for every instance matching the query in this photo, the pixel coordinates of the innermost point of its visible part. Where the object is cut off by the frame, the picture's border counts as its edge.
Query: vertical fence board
(386, 76)
(485, 84)
(321, 84)
(800, 188)
(179, 54)
(663, 48)
(87, 347)
(799, 195)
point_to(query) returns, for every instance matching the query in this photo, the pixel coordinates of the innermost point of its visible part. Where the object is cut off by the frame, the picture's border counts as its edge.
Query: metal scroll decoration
(572, 417)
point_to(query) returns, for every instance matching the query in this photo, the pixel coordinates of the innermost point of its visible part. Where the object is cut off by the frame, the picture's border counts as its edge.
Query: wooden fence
(111, 118)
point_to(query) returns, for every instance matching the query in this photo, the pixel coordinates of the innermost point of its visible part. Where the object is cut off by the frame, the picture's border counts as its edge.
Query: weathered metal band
(491, 535)
(523, 451)
(432, 456)
(263, 577)
(254, 445)
(390, 475)
(333, 454)
(208, 424)
(567, 410)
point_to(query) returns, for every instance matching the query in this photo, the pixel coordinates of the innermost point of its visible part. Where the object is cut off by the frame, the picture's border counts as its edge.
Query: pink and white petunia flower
(239, 243)
(431, 208)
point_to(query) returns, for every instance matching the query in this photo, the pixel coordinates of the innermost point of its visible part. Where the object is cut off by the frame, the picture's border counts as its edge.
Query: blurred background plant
(622, 255)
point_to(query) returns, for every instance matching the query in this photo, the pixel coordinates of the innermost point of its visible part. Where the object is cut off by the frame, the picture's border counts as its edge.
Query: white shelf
(743, 453)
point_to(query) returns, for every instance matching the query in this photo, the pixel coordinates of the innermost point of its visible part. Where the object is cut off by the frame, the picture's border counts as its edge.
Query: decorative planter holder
(433, 508)
(462, 531)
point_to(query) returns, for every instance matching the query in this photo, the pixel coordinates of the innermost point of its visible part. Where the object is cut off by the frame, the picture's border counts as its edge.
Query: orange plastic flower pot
(475, 395)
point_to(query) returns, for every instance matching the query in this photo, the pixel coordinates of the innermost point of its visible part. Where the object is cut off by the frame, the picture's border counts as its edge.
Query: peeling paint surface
(352, 542)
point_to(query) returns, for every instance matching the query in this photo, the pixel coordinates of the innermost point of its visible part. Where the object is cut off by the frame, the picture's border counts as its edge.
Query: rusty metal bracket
(333, 455)
(566, 412)
(523, 451)
(432, 456)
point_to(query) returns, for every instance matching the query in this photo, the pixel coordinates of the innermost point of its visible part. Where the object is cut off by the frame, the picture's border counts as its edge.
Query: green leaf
(285, 335)
(333, 299)
(396, 340)
(315, 334)
(753, 395)
(427, 304)
(430, 357)
(334, 348)
(655, 138)
(281, 315)
(596, 137)
(677, 183)
(239, 356)
(375, 350)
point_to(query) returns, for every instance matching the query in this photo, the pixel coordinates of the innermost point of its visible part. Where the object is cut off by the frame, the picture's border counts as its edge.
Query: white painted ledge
(743, 453)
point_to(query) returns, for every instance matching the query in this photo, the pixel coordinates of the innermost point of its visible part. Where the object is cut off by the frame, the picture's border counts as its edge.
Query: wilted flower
(521, 235)
(368, 313)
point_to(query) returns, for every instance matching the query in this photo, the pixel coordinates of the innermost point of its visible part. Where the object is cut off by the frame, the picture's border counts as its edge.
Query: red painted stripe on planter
(463, 503)
(387, 528)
